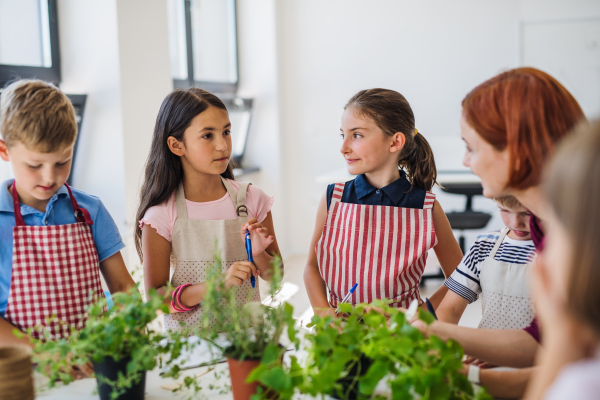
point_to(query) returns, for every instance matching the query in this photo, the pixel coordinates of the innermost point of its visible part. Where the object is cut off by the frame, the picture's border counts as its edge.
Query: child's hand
(259, 236)
(239, 272)
(480, 363)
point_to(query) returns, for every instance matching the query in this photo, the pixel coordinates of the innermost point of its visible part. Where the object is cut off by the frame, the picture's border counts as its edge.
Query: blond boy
(47, 259)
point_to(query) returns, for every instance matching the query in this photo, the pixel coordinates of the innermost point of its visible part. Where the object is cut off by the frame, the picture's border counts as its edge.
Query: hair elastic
(416, 132)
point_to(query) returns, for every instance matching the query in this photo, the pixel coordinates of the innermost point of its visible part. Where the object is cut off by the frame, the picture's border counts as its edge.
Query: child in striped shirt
(497, 266)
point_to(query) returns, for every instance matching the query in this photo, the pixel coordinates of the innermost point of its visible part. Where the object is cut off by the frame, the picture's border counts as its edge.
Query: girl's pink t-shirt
(162, 217)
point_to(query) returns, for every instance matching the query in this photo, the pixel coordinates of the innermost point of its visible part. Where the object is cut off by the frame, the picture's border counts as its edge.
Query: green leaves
(413, 366)
(250, 328)
(276, 379)
(120, 333)
(426, 316)
(345, 308)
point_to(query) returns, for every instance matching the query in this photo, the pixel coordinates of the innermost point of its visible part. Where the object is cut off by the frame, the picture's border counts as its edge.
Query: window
(203, 44)
(203, 53)
(29, 40)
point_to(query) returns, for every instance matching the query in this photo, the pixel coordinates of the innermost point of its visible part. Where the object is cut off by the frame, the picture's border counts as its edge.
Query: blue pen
(337, 310)
(249, 251)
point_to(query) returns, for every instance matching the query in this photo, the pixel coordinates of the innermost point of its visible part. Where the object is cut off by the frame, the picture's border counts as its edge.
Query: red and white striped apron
(55, 272)
(381, 248)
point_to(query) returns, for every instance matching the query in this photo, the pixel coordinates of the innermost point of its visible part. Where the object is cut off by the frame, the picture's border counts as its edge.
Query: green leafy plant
(250, 329)
(119, 333)
(349, 357)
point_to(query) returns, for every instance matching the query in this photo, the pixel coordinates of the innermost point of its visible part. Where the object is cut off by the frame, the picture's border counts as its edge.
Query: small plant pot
(350, 382)
(110, 368)
(239, 371)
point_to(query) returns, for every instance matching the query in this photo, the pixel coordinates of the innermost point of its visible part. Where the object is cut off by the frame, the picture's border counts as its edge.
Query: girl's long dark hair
(391, 113)
(163, 168)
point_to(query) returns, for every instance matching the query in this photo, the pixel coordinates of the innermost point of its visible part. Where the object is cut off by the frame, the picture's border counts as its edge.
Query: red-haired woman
(511, 125)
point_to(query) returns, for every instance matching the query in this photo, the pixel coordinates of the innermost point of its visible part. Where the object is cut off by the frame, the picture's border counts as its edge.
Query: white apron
(506, 298)
(193, 247)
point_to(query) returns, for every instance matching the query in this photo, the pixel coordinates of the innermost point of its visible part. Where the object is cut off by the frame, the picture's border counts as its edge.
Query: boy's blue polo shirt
(59, 211)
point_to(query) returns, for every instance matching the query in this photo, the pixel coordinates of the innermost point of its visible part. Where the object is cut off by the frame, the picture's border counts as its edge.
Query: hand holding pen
(259, 235)
(257, 239)
(250, 257)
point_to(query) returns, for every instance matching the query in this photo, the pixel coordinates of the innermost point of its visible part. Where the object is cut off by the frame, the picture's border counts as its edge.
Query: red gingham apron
(381, 248)
(55, 271)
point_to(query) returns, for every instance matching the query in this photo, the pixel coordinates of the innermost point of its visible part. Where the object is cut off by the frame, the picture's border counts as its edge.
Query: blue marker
(249, 251)
(337, 310)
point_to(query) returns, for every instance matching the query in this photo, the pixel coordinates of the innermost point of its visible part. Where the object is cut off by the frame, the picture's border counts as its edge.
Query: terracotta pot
(16, 378)
(239, 371)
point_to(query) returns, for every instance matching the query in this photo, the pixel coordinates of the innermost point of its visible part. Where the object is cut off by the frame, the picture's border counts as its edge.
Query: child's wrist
(262, 256)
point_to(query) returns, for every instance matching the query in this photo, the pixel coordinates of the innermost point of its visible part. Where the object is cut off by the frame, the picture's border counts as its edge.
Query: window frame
(9, 72)
(213, 87)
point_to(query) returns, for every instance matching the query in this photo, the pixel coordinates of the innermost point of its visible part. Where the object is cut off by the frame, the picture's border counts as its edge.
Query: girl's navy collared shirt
(399, 193)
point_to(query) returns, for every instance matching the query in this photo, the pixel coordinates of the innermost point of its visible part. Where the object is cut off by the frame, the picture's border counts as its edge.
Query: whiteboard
(569, 50)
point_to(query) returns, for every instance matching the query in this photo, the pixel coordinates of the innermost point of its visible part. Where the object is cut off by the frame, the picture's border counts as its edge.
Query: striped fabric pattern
(507, 252)
(382, 248)
(465, 281)
(461, 290)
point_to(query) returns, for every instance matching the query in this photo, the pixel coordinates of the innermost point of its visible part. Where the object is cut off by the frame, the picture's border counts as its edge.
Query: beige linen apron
(507, 302)
(193, 247)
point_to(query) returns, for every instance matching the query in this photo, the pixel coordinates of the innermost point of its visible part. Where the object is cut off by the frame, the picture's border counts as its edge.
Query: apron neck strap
(336, 197)
(239, 198)
(180, 202)
(81, 214)
(503, 233)
(17, 206)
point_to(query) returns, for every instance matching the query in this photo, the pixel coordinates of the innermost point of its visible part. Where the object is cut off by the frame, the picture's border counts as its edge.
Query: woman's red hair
(528, 112)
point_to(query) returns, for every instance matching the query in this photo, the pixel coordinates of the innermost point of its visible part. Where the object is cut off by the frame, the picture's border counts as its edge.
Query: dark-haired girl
(189, 198)
(376, 230)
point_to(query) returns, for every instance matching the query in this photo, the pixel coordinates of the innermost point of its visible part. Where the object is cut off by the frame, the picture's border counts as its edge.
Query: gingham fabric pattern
(55, 276)
(382, 248)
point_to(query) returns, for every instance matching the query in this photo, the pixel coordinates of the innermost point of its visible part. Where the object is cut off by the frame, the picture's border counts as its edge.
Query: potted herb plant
(118, 344)
(252, 331)
(381, 341)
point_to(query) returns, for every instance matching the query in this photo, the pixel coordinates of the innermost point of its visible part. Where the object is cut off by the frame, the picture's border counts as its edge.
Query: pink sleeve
(259, 203)
(162, 218)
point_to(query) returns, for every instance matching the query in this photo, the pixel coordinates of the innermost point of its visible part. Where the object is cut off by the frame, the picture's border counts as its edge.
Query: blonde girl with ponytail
(376, 230)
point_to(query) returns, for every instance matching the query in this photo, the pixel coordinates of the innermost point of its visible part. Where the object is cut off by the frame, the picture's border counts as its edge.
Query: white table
(84, 389)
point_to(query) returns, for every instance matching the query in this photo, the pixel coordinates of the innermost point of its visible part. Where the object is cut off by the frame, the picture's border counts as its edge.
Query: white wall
(116, 52)
(258, 80)
(432, 52)
(90, 65)
(552, 9)
(145, 80)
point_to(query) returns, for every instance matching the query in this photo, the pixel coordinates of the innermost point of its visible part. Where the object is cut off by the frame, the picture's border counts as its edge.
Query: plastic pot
(350, 382)
(109, 368)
